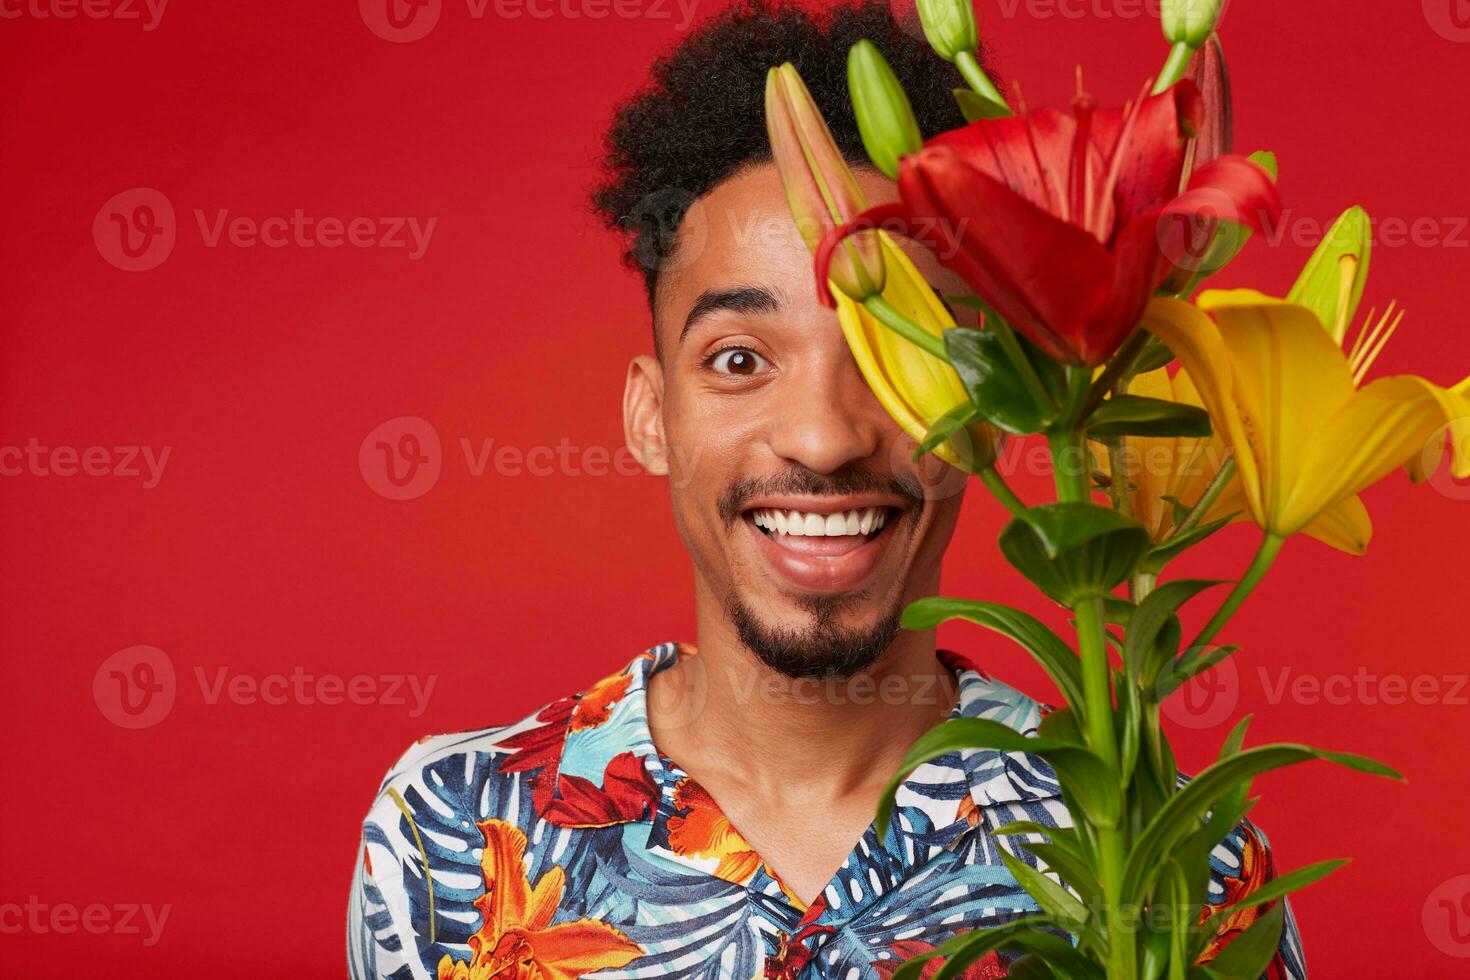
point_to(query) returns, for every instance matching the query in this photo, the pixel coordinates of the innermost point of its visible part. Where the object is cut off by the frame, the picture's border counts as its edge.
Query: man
(710, 814)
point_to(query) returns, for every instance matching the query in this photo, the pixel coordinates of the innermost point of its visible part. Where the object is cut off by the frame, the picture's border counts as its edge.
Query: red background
(263, 547)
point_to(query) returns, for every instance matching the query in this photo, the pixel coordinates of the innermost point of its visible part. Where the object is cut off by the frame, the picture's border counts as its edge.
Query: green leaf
(1155, 354)
(1248, 954)
(991, 380)
(974, 106)
(1278, 887)
(1130, 726)
(1135, 415)
(1074, 551)
(1054, 900)
(1235, 740)
(1162, 554)
(1068, 526)
(1055, 657)
(1117, 611)
(1088, 783)
(968, 947)
(948, 424)
(1191, 664)
(1182, 814)
(1142, 655)
(1073, 869)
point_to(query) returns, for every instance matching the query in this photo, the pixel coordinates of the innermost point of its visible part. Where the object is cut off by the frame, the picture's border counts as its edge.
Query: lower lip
(840, 566)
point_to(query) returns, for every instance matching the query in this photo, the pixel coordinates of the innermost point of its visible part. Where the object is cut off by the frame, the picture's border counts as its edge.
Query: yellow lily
(1286, 397)
(1163, 467)
(916, 388)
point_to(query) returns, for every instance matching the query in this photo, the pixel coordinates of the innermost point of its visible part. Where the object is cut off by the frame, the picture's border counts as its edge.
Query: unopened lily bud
(884, 116)
(820, 187)
(1331, 284)
(1190, 21)
(950, 26)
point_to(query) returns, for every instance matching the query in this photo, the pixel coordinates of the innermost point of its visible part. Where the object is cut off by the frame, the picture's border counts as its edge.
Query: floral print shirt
(566, 845)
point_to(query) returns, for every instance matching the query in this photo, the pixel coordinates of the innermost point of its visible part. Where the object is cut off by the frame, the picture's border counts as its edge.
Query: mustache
(802, 481)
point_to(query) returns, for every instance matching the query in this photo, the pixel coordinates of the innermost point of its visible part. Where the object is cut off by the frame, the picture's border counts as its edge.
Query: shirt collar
(606, 731)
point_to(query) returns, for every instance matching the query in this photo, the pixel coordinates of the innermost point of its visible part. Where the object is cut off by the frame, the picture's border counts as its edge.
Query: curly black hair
(701, 117)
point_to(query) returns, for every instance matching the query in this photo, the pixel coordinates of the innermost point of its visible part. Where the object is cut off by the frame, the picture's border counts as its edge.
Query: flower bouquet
(1084, 235)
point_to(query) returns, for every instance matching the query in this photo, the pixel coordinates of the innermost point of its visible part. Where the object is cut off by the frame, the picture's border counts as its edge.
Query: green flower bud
(1331, 284)
(1190, 21)
(884, 116)
(950, 26)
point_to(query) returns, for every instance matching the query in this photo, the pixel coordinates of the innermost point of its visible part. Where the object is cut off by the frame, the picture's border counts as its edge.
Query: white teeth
(805, 524)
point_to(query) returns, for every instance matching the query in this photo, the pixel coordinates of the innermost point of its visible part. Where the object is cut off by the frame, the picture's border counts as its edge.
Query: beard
(824, 647)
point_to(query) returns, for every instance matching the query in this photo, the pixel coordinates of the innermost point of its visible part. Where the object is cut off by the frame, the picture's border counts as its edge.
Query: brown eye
(738, 361)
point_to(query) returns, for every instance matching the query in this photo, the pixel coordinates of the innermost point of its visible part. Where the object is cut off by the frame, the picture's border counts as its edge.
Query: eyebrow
(736, 299)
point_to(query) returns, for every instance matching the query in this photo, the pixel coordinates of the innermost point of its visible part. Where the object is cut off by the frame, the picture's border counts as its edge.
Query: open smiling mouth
(822, 551)
(864, 522)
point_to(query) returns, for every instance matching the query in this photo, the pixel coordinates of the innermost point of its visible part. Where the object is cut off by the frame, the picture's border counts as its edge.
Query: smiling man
(707, 809)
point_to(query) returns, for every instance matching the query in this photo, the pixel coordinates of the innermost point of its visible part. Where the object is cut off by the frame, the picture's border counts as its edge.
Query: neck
(821, 737)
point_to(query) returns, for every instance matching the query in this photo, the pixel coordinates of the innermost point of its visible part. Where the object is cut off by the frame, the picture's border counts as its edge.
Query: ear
(643, 414)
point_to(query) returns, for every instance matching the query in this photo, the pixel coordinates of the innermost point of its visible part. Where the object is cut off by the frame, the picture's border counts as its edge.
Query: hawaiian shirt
(567, 845)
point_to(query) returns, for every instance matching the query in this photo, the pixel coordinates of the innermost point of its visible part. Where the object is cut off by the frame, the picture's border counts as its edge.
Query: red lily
(1063, 220)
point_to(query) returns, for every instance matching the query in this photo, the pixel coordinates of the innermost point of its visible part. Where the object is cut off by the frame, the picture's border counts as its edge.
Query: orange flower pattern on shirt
(518, 940)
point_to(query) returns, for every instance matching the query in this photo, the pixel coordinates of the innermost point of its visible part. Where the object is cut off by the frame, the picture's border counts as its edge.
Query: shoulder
(496, 770)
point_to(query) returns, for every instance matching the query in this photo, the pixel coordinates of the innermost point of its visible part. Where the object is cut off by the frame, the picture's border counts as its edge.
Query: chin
(829, 635)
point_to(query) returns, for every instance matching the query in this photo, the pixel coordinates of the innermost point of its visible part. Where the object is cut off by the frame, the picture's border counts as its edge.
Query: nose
(827, 417)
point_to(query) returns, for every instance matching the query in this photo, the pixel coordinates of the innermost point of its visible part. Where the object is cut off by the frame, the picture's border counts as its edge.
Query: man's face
(796, 494)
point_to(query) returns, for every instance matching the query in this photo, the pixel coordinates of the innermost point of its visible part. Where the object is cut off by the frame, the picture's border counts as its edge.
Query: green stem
(998, 486)
(1270, 548)
(1207, 500)
(978, 79)
(1118, 367)
(892, 318)
(1175, 67)
(1097, 694)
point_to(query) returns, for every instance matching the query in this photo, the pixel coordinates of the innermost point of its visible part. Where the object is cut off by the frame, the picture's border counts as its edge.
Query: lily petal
(1289, 377)
(1345, 526)
(1195, 340)
(1380, 428)
(1043, 274)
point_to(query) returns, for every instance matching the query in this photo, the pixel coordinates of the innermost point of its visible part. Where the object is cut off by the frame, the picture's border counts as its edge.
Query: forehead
(742, 234)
